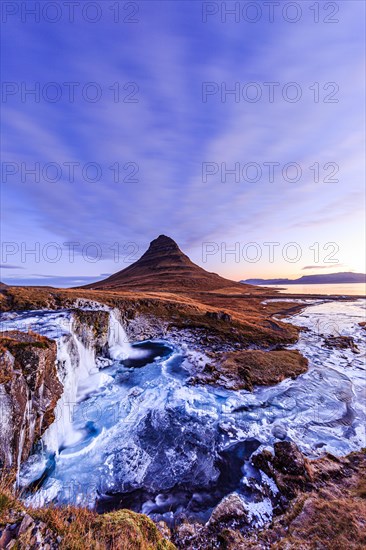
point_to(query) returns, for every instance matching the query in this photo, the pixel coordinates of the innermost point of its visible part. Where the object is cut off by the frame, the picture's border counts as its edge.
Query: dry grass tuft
(122, 530)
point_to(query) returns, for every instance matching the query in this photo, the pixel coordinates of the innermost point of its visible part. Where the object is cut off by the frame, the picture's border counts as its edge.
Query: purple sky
(193, 162)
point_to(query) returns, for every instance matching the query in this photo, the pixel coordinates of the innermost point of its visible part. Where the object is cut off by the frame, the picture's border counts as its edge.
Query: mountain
(163, 267)
(323, 278)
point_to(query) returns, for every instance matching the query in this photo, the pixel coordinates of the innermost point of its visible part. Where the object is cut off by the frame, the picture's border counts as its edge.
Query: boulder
(341, 342)
(231, 509)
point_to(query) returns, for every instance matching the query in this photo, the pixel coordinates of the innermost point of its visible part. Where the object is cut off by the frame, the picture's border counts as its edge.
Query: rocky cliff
(29, 391)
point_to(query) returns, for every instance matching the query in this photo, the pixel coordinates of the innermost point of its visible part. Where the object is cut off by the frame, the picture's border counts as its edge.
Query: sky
(236, 128)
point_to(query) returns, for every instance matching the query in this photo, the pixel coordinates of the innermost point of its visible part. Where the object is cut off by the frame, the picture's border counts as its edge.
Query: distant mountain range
(323, 278)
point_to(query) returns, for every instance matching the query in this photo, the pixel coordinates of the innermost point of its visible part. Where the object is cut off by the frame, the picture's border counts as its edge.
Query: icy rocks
(288, 467)
(167, 445)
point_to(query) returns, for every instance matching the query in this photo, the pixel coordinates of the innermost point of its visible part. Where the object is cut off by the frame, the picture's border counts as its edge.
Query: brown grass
(80, 528)
(333, 525)
(262, 368)
(123, 530)
(249, 321)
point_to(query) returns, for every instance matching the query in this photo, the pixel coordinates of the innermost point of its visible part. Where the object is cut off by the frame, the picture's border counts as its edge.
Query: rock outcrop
(288, 467)
(29, 391)
(341, 342)
(91, 327)
(237, 370)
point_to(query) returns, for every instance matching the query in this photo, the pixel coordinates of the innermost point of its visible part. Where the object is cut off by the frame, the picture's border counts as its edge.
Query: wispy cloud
(328, 266)
(49, 280)
(9, 266)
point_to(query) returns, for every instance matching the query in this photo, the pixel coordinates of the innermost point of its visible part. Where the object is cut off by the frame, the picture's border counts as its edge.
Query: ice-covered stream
(136, 435)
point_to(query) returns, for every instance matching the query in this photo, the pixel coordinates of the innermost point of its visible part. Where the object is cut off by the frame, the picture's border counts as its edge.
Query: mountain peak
(163, 242)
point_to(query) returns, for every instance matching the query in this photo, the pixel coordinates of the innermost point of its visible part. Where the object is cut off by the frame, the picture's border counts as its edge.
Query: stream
(136, 435)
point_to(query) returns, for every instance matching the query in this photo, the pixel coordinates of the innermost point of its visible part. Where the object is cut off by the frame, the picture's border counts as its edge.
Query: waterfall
(68, 363)
(79, 375)
(119, 347)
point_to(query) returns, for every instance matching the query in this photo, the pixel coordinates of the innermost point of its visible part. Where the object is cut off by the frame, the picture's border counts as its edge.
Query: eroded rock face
(91, 326)
(144, 327)
(288, 467)
(29, 391)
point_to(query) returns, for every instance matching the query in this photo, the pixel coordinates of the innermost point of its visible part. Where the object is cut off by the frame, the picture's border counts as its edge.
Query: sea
(345, 289)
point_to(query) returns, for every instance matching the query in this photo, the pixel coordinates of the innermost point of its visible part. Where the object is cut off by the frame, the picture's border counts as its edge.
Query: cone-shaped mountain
(164, 267)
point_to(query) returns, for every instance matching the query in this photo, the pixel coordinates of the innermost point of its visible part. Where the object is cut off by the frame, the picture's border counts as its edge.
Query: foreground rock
(248, 368)
(29, 391)
(288, 467)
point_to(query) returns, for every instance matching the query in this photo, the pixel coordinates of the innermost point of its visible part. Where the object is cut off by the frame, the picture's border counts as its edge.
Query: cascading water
(118, 344)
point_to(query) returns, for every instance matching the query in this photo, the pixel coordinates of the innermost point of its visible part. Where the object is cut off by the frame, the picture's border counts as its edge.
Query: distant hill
(323, 278)
(164, 267)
